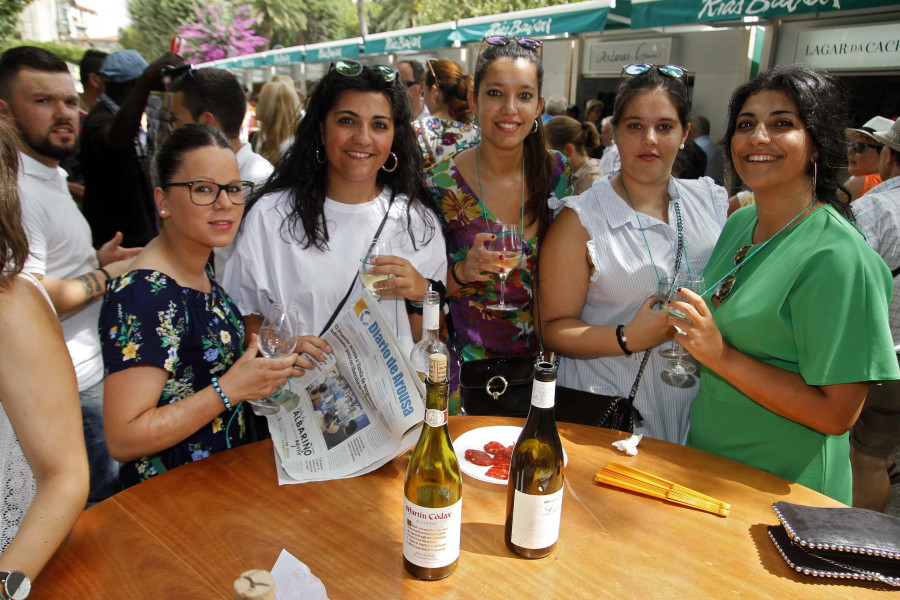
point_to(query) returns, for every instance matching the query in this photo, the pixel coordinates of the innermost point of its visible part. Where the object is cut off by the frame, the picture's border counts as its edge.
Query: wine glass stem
(680, 353)
(502, 290)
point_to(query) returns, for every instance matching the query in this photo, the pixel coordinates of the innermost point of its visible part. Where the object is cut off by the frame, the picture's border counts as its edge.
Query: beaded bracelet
(620, 337)
(215, 384)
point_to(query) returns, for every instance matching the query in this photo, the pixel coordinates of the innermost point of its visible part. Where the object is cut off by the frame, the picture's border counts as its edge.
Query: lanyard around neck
(481, 194)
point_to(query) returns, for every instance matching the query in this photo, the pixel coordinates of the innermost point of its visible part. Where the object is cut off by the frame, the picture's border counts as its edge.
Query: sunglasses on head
(351, 68)
(673, 71)
(860, 147)
(170, 74)
(431, 68)
(501, 40)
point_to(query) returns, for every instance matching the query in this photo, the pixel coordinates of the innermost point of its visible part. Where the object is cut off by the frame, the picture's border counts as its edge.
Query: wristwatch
(16, 585)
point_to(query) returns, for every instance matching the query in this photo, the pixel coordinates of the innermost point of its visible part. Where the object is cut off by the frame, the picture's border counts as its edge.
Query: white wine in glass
(506, 253)
(276, 339)
(375, 249)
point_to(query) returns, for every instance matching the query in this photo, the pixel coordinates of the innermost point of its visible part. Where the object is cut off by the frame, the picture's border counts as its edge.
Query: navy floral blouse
(147, 319)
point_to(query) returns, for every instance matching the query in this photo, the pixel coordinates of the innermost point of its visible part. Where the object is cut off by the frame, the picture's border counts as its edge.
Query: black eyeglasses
(351, 68)
(204, 193)
(726, 285)
(501, 40)
(170, 74)
(860, 147)
(673, 71)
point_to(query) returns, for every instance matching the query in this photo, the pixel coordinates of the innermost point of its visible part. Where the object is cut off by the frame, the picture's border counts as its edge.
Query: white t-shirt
(256, 169)
(267, 265)
(59, 244)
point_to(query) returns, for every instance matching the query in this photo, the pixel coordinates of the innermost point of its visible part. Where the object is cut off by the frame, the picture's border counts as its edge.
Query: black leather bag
(847, 543)
(586, 408)
(496, 386)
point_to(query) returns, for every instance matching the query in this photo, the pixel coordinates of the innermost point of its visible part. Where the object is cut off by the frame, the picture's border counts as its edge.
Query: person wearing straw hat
(876, 433)
(863, 151)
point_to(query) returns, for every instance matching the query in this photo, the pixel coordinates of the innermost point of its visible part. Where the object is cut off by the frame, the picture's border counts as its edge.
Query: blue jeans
(104, 470)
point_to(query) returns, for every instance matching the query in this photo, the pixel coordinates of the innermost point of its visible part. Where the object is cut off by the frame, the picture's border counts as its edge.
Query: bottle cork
(255, 584)
(437, 368)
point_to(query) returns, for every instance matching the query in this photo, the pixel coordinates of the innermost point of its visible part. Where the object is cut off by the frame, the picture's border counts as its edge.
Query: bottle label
(535, 519)
(431, 316)
(543, 394)
(435, 418)
(431, 535)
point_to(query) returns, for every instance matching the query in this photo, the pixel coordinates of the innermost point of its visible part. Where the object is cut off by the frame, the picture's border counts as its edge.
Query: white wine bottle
(432, 508)
(431, 335)
(536, 472)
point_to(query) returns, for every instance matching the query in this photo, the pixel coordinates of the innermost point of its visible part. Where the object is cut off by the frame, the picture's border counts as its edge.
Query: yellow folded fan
(625, 477)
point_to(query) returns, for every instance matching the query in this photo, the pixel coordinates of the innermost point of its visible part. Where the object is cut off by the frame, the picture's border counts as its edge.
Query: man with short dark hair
(91, 82)
(215, 97)
(38, 92)
(413, 74)
(119, 193)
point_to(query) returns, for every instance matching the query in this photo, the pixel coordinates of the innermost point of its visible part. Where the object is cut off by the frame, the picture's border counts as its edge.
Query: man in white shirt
(38, 92)
(715, 161)
(215, 97)
(413, 74)
(876, 434)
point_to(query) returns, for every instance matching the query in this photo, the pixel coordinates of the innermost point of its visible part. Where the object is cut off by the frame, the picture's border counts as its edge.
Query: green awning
(660, 13)
(285, 58)
(333, 51)
(419, 38)
(577, 17)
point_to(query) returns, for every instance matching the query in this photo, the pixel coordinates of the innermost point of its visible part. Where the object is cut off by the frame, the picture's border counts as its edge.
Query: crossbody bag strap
(356, 275)
(895, 272)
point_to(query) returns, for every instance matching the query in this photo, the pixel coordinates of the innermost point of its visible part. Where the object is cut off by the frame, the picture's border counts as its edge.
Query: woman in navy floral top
(176, 374)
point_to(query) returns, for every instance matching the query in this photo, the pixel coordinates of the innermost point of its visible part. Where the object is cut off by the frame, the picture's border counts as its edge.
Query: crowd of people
(145, 304)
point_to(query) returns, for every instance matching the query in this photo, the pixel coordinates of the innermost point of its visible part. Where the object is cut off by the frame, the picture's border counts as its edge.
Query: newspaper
(357, 410)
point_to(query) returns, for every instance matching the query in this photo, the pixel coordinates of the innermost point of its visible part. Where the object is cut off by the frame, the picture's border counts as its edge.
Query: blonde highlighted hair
(278, 110)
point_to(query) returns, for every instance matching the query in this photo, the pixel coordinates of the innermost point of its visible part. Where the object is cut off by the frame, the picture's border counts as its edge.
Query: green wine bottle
(432, 508)
(536, 472)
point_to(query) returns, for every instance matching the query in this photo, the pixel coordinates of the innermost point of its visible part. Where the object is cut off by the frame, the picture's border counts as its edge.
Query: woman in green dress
(793, 325)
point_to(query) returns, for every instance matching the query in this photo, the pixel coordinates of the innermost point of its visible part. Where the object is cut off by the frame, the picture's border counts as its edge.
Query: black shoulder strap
(895, 272)
(356, 275)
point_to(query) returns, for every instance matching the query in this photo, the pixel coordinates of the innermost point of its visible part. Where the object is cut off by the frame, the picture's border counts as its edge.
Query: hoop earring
(319, 158)
(394, 168)
(534, 127)
(815, 176)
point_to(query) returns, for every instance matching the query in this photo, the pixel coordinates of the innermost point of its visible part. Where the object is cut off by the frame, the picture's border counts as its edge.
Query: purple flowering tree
(220, 32)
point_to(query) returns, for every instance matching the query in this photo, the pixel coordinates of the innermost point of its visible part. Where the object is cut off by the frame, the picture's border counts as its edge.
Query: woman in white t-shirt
(355, 164)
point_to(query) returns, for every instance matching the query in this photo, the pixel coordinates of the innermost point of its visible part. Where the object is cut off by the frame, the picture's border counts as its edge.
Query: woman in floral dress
(176, 374)
(508, 178)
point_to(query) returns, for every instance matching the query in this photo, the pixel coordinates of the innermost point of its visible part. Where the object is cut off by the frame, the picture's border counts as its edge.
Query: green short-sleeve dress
(813, 301)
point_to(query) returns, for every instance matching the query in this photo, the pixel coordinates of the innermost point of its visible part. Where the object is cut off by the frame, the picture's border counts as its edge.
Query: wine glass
(696, 284)
(666, 291)
(506, 252)
(375, 249)
(276, 339)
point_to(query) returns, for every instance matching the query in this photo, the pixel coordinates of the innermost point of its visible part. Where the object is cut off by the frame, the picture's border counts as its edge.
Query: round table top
(190, 532)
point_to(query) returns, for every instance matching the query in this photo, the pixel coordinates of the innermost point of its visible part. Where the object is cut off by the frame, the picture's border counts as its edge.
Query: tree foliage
(68, 52)
(154, 22)
(9, 18)
(293, 22)
(399, 14)
(220, 31)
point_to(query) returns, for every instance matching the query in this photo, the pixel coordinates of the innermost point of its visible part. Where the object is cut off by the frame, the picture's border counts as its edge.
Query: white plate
(475, 439)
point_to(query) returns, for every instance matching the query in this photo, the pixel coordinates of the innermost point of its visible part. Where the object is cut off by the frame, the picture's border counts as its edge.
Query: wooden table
(190, 532)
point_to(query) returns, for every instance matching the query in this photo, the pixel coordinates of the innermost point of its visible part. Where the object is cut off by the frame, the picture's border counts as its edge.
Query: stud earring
(681, 147)
(162, 212)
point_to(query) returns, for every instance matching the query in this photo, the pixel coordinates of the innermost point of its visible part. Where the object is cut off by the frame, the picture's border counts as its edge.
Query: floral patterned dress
(147, 319)
(483, 333)
(440, 139)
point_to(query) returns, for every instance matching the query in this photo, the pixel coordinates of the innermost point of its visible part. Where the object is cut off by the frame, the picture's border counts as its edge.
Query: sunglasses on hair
(673, 71)
(860, 147)
(170, 74)
(501, 40)
(351, 68)
(431, 68)
(726, 285)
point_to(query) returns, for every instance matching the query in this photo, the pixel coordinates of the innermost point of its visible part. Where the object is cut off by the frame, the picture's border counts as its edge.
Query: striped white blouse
(625, 276)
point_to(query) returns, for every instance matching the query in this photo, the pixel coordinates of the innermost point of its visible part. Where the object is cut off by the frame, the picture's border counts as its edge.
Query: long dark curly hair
(538, 161)
(300, 173)
(822, 107)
